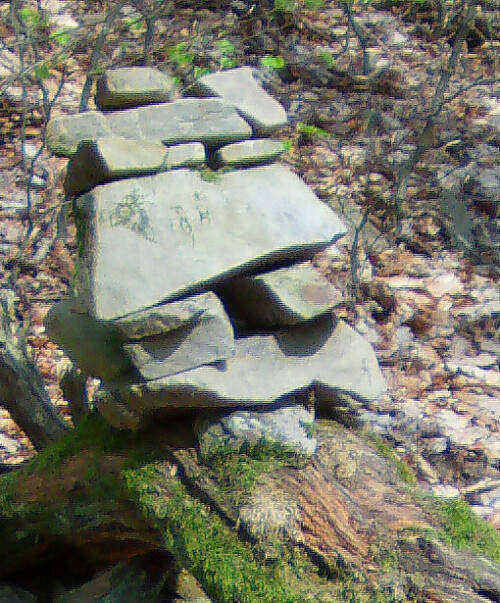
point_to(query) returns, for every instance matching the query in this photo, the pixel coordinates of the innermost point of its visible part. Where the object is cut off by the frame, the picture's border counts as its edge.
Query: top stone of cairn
(132, 87)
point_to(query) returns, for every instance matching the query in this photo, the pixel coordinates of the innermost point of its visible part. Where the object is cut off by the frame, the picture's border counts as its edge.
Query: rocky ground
(420, 278)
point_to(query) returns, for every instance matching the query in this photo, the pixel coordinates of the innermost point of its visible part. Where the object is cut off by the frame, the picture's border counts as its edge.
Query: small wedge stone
(132, 87)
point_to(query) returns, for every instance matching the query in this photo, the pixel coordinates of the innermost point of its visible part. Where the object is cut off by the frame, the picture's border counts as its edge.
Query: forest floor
(422, 281)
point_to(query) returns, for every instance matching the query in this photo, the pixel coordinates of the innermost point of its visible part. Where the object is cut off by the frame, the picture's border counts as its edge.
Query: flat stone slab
(268, 368)
(279, 298)
(65, 132)
(207, 120)
(178, 336)
(249, 152)
(152, 239)
(288, 428)
(132, 87)
(156, 342)
(240, 88)
(107, 159)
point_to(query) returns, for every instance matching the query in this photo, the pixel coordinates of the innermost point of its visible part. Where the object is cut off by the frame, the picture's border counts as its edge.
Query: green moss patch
(463, 528)
(199, 539)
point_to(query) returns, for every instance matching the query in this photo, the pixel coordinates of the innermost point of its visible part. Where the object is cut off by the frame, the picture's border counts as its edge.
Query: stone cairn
(194, 286)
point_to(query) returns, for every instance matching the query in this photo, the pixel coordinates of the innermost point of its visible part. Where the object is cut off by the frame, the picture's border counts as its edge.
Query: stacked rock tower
(194, 285)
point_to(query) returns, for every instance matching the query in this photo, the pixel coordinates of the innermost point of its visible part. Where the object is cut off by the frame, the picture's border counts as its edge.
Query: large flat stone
(279, 298)
(268, 368)
(107, 159)
(132, 87)
(240, 88)
(207, 120)
(152, 239)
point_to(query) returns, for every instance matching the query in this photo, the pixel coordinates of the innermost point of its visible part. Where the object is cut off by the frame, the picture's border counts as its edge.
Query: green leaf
(226, 47)
(61, 37)
(42, 72)
(272, 62)
(314, 4)
(327, 58)
(201, 71)
(312, 131)
(28, 16)
(285, 6)
(228, 62)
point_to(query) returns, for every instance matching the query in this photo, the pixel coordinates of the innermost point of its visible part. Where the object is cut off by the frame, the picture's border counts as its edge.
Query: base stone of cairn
(194, 287)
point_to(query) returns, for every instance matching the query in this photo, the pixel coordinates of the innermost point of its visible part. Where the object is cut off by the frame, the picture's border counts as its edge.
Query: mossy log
(344, 527)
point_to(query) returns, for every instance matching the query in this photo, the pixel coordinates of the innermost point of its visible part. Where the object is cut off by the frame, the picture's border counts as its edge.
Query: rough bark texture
(22, 391)
(341, 528)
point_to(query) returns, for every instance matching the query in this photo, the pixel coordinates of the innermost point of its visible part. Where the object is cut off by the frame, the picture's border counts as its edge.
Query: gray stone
(157, 342)
(94, 346)
(208, 120)
(113, 157)
(268, 368)
(289, 429)
(240, 88)
(133, 86)
(65, 132)
(155, 238)
(283, 297)
(249, 152)
(205, 337)
(9, 594)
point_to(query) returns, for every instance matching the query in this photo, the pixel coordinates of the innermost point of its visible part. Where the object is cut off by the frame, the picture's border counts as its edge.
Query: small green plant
(272, 62)
(309, 131)
(135, 25)
(180, 55)
(290, 6)
(201, 71)
(61, 37)
(463, 528)
(327, 58)
(228, 51)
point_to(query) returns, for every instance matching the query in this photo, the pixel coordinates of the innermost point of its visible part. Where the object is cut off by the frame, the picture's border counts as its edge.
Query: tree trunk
(344, 527)
(22, 391)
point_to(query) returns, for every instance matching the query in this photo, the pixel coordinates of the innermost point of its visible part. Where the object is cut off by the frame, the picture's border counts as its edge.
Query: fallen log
(344, 527)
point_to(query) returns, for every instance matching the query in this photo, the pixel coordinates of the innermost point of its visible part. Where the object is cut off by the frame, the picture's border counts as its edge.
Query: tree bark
(253, 530)
(22, 391)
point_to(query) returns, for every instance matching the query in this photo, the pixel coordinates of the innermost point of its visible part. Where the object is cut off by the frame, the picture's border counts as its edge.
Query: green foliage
(272, 62)
(136, 25)
(327, 58)
(61, 37)
(180, 55)
(228, 51)
(29, 17)
(463, 528)
(201, 71)
(290, 6)
(42, 71)
(312, 131)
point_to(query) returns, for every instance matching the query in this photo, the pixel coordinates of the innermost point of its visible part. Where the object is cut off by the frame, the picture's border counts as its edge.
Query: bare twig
(95, 57)
(437, 104)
